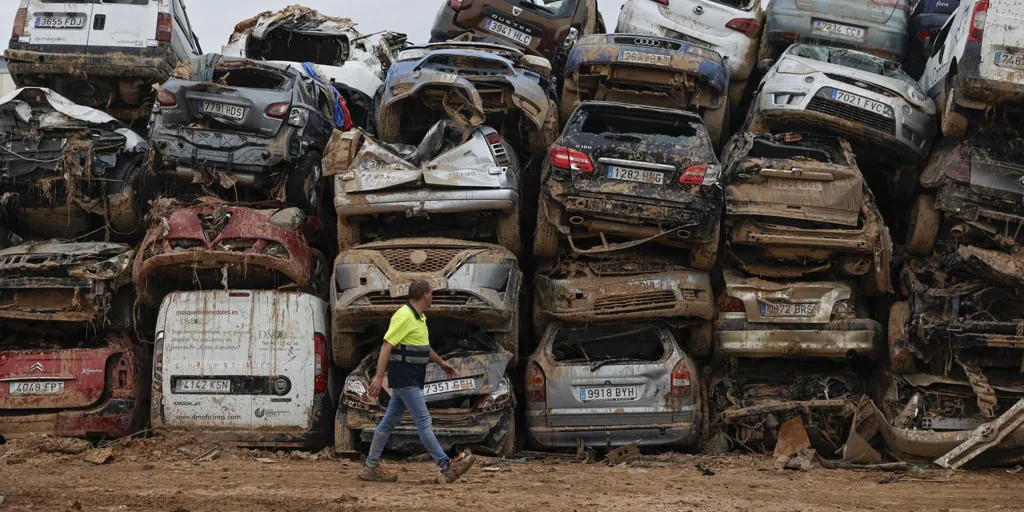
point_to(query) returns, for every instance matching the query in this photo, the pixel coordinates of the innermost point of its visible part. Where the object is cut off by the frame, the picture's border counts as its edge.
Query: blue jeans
(410, 399)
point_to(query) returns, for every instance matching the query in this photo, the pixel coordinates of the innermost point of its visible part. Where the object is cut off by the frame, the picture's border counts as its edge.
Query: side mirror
(765, 65)
(929, 43)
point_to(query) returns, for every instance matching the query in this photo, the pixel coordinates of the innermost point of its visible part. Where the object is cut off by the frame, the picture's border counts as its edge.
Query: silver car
(865, 98)
(876, 26)
(611, 385)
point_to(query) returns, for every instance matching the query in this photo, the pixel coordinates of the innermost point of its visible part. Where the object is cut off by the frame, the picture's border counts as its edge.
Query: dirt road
(166, 475)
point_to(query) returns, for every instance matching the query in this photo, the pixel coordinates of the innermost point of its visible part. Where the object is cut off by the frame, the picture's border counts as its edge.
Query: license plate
(837, 29)
(505, 30)
(695, 41)
(449, 386)
(609, 393)
(202, 386)
(861, 102)
(222, 109)
(788, 310)
(622, 173)
(402, 289)
(36, 388)
(60, 22)
(1009, 60)
(653, 59)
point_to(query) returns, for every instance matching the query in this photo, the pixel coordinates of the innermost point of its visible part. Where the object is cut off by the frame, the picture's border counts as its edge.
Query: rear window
(798, 146)
(639, 126)
(251, 78)
(601, 343)
(548, 8)
(855, 60)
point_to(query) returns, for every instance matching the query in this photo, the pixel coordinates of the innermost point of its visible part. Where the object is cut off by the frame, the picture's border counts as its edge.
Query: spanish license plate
(695, 41)
(448, 386)
(622, 173)
(1009, 60)
(402, 289)
(788, 310)
(215, 386)
(829, 28)
(609, 393)
(36, 388)
(60, 21)
(861, 102)
(653, 59)
(505, 30)
(222, 109)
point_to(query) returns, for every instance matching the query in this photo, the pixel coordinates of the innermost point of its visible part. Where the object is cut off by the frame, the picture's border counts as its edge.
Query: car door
(937, 67)
(281, 355)
(123, 24)
(52, 23)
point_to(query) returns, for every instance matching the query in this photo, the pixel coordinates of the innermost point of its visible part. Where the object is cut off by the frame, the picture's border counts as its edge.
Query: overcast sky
(213, 20)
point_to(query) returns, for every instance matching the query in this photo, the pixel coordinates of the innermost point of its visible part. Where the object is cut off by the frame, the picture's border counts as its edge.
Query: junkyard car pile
(613, 245)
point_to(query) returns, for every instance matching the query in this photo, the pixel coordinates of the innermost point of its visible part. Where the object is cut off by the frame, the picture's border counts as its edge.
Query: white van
(93, 51)
(975, 61)
(247, 367)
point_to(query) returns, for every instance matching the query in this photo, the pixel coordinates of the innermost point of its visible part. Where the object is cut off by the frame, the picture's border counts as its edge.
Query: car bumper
(250, 157)
(117, 417)
(594, 62)
(888, 41)
(980, 79)
(353, 315)
(487, 429)
(426, 201)
(115, 63)
(668, 295)
(298, 273)
(959, 202)
(671, 434)
(736, 337)
(930, 445)
(699, 221)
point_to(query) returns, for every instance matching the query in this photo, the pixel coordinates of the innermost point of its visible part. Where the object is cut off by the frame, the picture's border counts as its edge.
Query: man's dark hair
(418, 289)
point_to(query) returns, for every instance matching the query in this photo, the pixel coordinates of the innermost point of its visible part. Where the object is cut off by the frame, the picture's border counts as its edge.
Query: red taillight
(727, 304)
(238, 294)
(459, 5)
(749, 26)
(978, 21)
(925, 34)
(494, 138)
(959, 167)
(661, 2)
(535, 385)
(681, 385)
(166, 99)
(20, 21)
(693, 175)
(278, 110)
(164, 27)
(570, 159)
(320, 363)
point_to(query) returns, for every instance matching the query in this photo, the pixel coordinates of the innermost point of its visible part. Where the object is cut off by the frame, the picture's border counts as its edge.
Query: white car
(730, 27)
(975, 61)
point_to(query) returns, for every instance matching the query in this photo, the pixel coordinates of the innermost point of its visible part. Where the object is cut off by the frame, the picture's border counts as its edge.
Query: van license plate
(644, 58)
(609, 394)
(402, 289)
(829, 28)
(222, 109)
(60, 22)
(788, 310)
(516, 35)
(861, 102)
(622, 173)
(214, 386)
(37, 388)
(448, 386)
(1009, 60)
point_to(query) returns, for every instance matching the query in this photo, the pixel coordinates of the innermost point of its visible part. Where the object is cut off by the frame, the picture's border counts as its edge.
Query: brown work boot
(459, 466)
(377, 474)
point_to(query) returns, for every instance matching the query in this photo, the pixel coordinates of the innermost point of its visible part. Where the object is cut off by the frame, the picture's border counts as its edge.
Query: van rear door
(128, 23)
(1002, 42)
(58, 23)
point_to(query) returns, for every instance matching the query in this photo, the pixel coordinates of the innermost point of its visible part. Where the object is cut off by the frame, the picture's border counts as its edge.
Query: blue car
(926, 19)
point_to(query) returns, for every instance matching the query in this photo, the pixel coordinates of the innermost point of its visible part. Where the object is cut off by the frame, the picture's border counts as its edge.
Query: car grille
(441, 298)
(854, 114)
(649, 301)
(437, 259)
(864, 85)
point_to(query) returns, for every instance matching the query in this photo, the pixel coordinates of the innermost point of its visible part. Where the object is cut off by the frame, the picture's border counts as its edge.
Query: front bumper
(887, 40)
(117, 417)
(415, 202)
(116, 63)
(735, 337)
(299, 273)
(930, 445)
(666, 295)
(671, 434)
(451, 427)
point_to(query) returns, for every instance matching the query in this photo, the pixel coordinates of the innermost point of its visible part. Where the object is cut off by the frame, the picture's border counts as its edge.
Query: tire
(701, 340)
(901, 359)
(320, 276)
(508, 448)
(954, 122)
(717, 123)
(389, 122)
(704, 256)
(343, 348)
(508, 229)
(570, 99)
(923, 231)
(348, 233)
(545, 238)
(540, 141)
(346, 440)
(305, 186)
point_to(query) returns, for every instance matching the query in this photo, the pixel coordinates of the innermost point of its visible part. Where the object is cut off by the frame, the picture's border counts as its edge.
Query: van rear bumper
(120, 62)
(982, 81)
(115, 418)
(672, 434)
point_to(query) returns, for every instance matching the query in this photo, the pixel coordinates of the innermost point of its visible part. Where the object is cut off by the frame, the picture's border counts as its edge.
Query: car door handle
(99, 22)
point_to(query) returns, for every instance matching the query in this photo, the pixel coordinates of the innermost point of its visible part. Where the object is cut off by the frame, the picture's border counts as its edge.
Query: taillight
(661, 2)
(535, 385)
(20, 22)
(727, 304)
(494, 138)
(459, 5)
(749, 26)
(278, 110)
(164, 27)
(924, 34)
(959, 167)
(693, 175)
(158, 363)
(166, 99)
(570, 159)
(681, 385)
(320, 363)
(978, 21)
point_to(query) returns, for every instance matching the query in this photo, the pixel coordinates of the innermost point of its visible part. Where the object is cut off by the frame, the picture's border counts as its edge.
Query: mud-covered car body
(611, 384)
(876, 26)
(473, 83)
(797, 205)
(593, 183)
(67, 170)
(865, 98)
(252, 122)
(450, 182)
(647, 70)
(209, 243)
(474, 283)
(477, 408)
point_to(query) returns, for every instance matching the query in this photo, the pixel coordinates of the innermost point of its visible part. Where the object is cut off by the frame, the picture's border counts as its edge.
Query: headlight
(494, 276)
(498, 396)
(288, 218)
(354, 275)
(104, 270)
(298, 117)
(355, 391)
(414, 54)
(792, 67)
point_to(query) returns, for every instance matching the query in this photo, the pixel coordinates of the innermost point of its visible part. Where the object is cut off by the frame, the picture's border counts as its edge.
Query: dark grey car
(239, 122)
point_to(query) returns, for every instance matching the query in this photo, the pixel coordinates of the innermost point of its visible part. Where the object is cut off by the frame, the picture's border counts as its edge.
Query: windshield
(855, 60)
(639, 126)
(593, 343)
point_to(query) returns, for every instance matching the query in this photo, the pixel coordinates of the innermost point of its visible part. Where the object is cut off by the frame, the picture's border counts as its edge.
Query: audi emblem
(699, 9)
(646, 42)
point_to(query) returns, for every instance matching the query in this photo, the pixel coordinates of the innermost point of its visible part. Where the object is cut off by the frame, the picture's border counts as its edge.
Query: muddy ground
(185, 475)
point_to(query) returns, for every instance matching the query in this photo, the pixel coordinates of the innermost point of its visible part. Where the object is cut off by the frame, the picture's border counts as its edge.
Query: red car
(212, 244)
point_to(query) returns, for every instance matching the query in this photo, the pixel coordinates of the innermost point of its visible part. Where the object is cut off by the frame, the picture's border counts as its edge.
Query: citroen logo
(641, 41)
(698, 10)
(38, 367)
(516, 11)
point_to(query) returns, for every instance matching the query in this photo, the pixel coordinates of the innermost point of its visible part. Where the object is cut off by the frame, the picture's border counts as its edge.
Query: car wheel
(540, 141)
(343, 348)
(320, 276)
(346, 440)
(901, 359)
(925, 221)
(389, 122)
(703, 256)
(545, 238)
(348, 233)
(305, 186)
(701, 339)
(954, 122)
(508, 447)
(717, 123)
(570, 99)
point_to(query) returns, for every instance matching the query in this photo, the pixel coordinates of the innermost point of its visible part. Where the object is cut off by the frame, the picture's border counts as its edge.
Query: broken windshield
(598, 343)
(251, 78)
(855, 60)
(639, 126)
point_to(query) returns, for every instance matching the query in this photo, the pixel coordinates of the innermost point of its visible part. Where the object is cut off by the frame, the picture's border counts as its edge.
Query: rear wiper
(622, 137)
(598, 364)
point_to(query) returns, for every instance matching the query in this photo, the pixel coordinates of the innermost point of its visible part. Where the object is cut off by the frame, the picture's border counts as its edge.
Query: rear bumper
(596, 62)
(487, 429)
(117, 417)
(671, 434)
(699, 220)
(426, 201)
(957, 201)
(981, 80)
(837, 339)
(55, 60)
(175, 153)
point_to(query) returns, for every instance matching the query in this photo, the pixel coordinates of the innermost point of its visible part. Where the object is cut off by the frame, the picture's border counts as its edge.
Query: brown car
(542, 27)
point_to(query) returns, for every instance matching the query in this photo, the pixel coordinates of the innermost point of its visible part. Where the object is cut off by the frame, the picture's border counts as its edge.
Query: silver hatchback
(875, 26)
(611, 385)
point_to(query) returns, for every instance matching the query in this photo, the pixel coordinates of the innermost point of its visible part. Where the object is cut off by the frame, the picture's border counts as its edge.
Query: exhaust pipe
(576, 220)
(960, 229)
(186, 174)
(682, 233)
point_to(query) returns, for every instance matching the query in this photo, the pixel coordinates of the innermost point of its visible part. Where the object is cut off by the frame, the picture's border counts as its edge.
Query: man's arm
(382, 366)
(449, 369)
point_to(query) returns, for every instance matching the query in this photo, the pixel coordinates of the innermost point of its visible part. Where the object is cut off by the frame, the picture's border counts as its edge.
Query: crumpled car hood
(67, 115)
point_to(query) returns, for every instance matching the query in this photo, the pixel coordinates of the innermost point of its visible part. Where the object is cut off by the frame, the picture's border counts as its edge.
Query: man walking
(405, 354)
